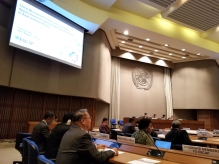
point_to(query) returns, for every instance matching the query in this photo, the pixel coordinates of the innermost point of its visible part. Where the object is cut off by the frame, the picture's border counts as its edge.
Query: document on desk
(119, 152)
(144, 161)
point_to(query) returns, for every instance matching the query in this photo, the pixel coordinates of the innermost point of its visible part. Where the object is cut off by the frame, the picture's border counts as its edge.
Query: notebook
(163, 144)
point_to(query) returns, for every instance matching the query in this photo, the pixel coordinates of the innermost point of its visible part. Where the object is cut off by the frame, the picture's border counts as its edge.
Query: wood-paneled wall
(211, 118)
(19, 106)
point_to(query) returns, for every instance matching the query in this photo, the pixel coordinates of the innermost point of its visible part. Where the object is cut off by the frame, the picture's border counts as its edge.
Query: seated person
(177, 136)
(129, 127)
(153, 133)
(76, 146)
(104, 128)
(56, 135)
(154, 116)
(163, 117)
(171, 118)
(41, 131)
(142, 136)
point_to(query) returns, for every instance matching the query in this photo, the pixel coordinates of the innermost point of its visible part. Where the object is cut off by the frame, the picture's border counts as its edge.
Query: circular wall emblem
(142, 78)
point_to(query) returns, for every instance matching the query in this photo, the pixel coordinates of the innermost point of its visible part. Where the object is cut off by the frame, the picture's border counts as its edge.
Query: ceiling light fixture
(130, 50)
(183, 57)
(147, 39)
(140, 46)
(126, 32)
(170, 54)
(123, 42)
(198, 54)
(155, 50)
(183, 49)
(166, 45)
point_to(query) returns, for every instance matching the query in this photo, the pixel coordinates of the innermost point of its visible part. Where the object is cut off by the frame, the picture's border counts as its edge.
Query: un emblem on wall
(142, 79)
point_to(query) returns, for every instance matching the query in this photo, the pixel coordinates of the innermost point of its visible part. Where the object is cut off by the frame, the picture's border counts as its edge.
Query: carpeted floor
(8, 153)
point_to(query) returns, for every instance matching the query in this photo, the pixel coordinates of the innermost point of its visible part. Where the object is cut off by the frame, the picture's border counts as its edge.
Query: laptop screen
(163, 144)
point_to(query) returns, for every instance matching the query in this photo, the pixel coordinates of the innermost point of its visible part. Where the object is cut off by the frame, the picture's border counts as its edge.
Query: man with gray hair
(177, 136)
(76, 145)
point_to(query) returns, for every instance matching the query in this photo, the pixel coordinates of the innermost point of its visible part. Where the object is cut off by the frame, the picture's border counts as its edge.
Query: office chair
(25, 151)
(43, 160)
(33, 152)
(120, 122)
(113, 123)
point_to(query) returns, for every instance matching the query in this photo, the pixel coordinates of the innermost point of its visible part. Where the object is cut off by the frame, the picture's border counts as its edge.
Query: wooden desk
(31, 124)
(127, 157)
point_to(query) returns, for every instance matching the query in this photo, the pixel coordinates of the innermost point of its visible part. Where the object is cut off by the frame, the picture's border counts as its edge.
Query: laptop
(163, 144)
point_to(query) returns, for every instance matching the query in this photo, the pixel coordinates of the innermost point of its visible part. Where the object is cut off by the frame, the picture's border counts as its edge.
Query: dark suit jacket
(54, 140)
(177, 136)
(128, 128)
(40, 135)
(76, 148)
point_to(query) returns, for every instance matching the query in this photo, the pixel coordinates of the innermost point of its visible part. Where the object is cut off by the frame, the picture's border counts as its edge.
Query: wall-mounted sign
(142, 79)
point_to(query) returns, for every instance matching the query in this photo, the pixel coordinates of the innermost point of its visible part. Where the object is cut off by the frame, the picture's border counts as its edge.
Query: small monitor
(115, 145)
(163, 144)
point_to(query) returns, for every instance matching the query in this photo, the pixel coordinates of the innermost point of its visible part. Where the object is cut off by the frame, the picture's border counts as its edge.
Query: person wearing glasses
(76, 145)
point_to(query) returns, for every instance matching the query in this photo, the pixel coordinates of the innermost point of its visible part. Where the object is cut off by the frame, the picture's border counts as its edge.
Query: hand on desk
(116, 151)
(102, 146)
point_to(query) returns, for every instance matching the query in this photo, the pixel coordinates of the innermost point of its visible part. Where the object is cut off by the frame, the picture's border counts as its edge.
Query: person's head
(145, 114)
(164, 115)
(132, 120)
(49, 117)
(145, 124)
(67, 118)
(176, 124)
(82, 119)
(105, 120)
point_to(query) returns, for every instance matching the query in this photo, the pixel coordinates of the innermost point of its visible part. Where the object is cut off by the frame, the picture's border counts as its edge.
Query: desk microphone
(201, 138)
(159, 155)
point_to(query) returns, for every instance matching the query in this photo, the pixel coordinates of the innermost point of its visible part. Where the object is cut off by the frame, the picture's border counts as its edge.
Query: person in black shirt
(129, 127)
(56, 135)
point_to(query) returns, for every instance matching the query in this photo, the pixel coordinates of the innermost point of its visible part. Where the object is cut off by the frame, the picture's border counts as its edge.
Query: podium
(31, 124)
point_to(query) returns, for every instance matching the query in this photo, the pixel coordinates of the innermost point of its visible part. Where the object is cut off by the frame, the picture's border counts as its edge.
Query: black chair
(19, 144)
(128, 134)
(121, 134)
(176, 146)
(113, 134)
(43, 160)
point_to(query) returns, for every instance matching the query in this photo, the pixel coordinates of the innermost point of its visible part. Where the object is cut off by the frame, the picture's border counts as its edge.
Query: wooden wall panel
(17, 107)
(210, 117)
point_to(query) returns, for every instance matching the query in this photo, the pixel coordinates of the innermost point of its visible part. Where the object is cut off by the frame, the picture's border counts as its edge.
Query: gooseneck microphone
(201, 138)
(160, 155)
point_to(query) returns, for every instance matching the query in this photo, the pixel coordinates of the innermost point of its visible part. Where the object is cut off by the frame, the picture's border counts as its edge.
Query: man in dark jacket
(76, 145)
(177, 136)
(129, 127)
(41, 131)
(56, 135)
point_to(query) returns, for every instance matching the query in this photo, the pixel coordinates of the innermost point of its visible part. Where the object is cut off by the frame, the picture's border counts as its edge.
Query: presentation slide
(36, 31)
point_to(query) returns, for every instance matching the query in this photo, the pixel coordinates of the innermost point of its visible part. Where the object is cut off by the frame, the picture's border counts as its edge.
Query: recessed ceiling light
(166, 45)
(140, 46)
(147, 39)
(198, 54)
(183, 57)
(123, 41)
(130, 50)
(155, 50)
(126, 32)
(183, 49)
(147, 54)
(162, 58)
(170, 54)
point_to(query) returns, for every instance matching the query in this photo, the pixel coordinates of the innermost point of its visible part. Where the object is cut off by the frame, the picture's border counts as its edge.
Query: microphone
(201, 138)
(159, 155)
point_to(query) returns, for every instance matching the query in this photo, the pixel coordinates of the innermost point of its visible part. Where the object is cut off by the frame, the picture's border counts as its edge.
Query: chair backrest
(128, 134)
(112, 121)
(19, 140)
(33, 152)
(25, 150)
(120, 122)
(43, 160)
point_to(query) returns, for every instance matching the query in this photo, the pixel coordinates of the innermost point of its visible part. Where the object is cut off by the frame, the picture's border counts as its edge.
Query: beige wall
(101, 112)
(195, 85)
(135, 102)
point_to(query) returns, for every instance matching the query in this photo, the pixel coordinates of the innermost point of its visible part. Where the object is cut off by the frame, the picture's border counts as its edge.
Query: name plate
(125, 139)
(103, 135)
(201, 150)
(94, 134)
(204, 134)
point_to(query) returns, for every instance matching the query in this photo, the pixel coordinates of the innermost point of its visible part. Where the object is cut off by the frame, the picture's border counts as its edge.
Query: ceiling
(192, 25)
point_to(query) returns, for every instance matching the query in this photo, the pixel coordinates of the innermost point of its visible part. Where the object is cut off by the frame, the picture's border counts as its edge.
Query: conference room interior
(31, 84)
